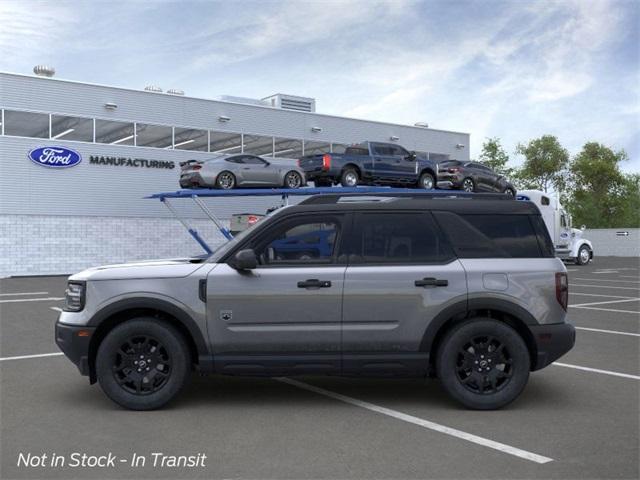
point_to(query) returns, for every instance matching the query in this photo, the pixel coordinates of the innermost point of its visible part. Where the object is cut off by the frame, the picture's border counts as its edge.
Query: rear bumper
(74, 342)
(191, 180)
(552, 342)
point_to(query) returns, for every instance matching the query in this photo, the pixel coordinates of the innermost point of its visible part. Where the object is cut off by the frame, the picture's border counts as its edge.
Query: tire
(226, 180)
(349, 178)
(152, 346)
(509, 191)
(584, 255)
(426, 181)
(468, 185)
(508, 370)
(292, 180)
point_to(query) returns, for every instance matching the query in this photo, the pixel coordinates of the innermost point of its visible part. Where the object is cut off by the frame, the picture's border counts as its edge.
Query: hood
(168, 268)
(576, 233)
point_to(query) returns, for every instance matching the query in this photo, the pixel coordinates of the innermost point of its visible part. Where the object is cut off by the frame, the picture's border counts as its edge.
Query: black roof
(492, 204)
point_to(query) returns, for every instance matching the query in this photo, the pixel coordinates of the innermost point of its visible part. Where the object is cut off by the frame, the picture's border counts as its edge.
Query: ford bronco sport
(466, 289)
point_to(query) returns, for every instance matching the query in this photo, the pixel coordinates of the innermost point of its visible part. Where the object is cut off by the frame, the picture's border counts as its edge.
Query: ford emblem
(55, 157)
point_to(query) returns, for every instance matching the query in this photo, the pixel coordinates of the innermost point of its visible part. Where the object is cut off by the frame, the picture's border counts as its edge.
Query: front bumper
(74, 342)
(552, 342)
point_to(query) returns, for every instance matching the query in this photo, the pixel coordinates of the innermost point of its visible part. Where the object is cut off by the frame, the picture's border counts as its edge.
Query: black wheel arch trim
(163, 306)
(461, 309)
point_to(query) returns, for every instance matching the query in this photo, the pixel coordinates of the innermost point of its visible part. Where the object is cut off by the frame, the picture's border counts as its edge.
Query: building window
(190, 139)
(26, 124)
(314, 148)
(258, 145)
(225, 142)
(71, 128)
(114, 133)
(157, 136)
(287, 148)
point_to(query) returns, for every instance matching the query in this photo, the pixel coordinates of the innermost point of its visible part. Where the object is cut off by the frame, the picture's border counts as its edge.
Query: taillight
(196, 167)
(326, 161)
(453, 170)
(299, 163)
(562, 289)
(252, 219)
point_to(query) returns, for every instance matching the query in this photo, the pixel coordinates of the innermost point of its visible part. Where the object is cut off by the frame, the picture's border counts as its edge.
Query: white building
(60, 220)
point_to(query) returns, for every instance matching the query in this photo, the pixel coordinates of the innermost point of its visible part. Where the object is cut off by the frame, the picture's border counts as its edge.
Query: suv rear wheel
(483, 364)
(142, 363)
(468, 185)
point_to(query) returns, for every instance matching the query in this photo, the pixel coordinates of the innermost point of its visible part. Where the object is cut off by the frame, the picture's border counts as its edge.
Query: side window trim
(353, 237)
(341, 221)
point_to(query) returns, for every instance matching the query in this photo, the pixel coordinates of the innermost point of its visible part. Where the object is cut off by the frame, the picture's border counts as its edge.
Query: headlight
(74, 296)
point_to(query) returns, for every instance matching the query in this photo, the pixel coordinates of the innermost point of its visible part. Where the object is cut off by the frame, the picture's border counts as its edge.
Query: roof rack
(320, 195)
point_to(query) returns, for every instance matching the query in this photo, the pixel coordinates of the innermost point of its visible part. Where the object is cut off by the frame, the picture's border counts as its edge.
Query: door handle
(431, 282)
(314, 283)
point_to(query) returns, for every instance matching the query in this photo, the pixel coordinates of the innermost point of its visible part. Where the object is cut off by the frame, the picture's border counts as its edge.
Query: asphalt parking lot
(578, 418)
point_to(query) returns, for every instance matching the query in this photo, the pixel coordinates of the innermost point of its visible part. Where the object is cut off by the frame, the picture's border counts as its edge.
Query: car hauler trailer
(198, 194)
(567, 241)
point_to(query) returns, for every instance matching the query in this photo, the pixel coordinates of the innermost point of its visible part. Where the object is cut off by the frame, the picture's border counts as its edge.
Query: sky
(514, 70)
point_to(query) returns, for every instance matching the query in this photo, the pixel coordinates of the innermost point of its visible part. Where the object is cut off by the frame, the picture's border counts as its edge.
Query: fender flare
(576, 247)
(461, 309)
(154, 304)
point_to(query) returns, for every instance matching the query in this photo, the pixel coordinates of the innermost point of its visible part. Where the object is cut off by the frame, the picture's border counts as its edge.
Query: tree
(601, 195)
(495, 157)
(545, 164)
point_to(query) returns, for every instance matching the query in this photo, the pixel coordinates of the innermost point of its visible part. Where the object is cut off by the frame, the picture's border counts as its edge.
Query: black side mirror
(412, 156)
(244, 260)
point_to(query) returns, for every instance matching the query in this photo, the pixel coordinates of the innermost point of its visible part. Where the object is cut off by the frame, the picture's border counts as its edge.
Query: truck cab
(568, 241)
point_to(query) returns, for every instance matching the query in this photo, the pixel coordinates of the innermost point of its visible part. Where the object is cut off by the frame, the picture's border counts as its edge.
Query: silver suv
(466, 289)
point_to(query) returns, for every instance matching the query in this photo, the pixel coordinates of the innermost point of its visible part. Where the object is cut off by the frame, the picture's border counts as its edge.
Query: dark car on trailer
(472, 177)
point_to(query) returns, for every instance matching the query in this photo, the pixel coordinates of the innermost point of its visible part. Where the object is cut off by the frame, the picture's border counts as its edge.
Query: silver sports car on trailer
(241, 170)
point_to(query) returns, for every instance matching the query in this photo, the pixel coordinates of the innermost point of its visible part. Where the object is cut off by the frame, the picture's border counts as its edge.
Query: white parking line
(605, 302)
(15, 300)
(609, 310)
(604, 272)
(608, 331)
(57, 309)
(22, 293)
(596, 295)
(628, 276)
(485, 442)
(23, 357)
(604, 286)
(605, 280)
(597, 370)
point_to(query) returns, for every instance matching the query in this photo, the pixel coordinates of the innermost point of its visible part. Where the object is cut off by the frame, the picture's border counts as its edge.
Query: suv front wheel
(143, 363)
(483, 364)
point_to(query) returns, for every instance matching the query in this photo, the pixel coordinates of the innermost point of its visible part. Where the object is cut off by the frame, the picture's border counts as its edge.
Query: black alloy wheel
(143, 363)
(483, 363)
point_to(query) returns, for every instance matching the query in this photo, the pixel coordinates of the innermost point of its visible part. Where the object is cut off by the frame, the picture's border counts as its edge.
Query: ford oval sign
(55, 157)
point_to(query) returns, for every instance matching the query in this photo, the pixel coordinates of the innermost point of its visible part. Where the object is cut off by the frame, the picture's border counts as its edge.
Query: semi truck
(568, 241)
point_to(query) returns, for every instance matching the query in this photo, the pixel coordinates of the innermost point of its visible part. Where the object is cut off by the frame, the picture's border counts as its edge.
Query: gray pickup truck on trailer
(467, 289)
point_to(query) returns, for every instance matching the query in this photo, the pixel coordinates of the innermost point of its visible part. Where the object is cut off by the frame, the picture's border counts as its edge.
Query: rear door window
(397, 238)
(490, 236)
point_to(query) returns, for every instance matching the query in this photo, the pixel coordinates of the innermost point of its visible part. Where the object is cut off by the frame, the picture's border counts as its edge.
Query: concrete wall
(607, 242)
